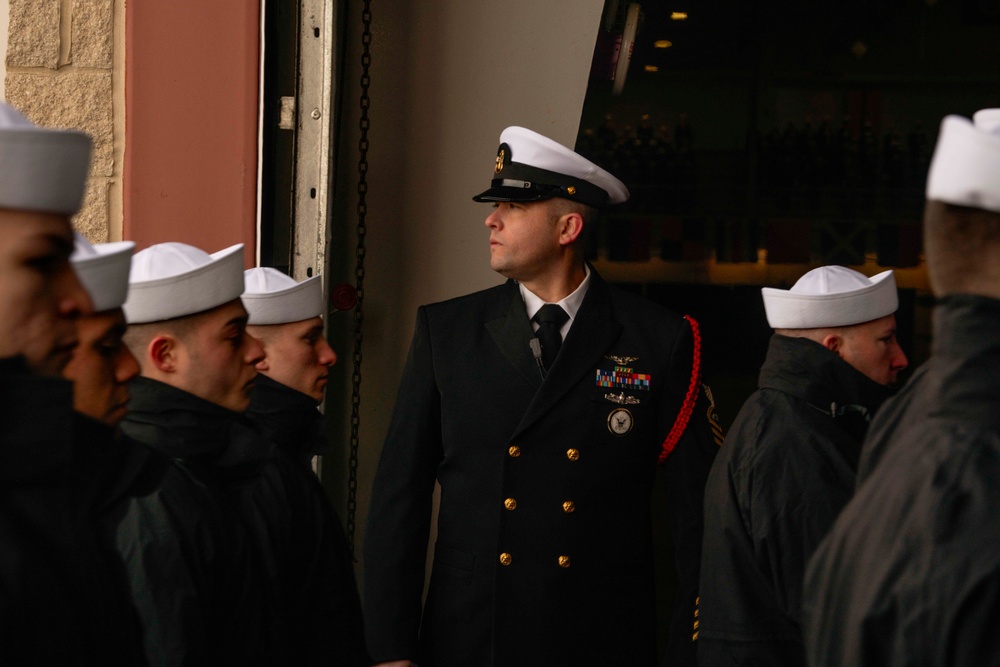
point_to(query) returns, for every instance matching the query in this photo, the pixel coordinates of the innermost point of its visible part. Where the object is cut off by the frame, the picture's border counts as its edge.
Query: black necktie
(550, 319)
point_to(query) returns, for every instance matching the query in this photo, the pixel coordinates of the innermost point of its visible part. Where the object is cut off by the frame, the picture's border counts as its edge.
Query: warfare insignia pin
(620, 421)
(622, 399)
(621, 361)
(500, 157)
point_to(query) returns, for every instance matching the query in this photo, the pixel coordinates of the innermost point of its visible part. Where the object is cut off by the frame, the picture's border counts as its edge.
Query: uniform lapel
(594, 331)
(512, 332)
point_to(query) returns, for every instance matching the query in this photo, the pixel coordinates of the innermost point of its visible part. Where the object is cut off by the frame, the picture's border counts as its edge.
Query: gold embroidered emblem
(621, 361)
(499, 166)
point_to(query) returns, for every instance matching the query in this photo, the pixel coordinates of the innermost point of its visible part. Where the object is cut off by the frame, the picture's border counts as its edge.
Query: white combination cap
(531, 167)
(965, 169)
(103, 270)
(987, 120)
(171, 280)
(831, 296)
(41, 169)
(271, 297)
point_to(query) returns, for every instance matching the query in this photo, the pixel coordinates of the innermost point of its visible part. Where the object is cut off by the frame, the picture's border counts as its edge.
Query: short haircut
(138, 336)
(963, 245)
(591, 215)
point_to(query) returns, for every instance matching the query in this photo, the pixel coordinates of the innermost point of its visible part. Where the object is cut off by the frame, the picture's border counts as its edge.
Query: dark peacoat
(544, 551)
(910, 572)
(782, 476)
(63, 593)
(196, 546)
(320, 597)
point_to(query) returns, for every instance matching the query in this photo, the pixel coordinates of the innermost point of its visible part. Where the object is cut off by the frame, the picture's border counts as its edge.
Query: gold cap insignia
(499, 166)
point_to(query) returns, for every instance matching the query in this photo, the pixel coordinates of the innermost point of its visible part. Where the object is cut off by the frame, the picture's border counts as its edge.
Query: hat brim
(43, 169)
(786, 309)
(105, 274)
(302, 301)
(513, 194)
(964, 167)
(198, 290)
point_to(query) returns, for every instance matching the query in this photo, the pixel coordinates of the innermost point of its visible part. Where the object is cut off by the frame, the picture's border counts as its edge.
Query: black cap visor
(510, 190)
(525, 183)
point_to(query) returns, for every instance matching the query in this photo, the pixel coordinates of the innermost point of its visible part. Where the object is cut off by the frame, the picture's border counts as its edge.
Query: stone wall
(62, 72)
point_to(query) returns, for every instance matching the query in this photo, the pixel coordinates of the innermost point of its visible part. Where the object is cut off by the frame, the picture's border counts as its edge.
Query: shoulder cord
(687, 407)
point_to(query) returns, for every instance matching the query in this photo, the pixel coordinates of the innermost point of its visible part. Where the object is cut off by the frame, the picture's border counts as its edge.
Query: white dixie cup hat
(171, 280)
(103, 270)
(271, 297)
(831, 296)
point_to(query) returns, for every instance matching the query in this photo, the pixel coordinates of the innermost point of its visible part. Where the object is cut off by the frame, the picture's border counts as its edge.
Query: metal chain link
(359, 271)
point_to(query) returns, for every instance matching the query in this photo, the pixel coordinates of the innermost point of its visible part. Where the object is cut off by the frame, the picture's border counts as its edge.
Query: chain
(359, 271)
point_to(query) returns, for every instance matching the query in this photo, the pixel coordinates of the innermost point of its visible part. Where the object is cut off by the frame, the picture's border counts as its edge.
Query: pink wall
(191, 89)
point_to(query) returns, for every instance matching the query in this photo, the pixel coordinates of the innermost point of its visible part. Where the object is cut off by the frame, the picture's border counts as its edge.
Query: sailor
(187, 328)
(102, 365)
(62, 598)
(910, 572)
(323, 611)
(787, 465)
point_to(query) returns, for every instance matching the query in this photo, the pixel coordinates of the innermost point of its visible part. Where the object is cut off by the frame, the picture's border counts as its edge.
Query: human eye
(109, 349)
(235, 338)
(48, 263)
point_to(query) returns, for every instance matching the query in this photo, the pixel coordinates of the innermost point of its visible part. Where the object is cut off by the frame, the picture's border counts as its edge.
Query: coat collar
(184, 426)
(288, 418)
(37, 430)
(965, 364)
(592, 333)
(807, 370)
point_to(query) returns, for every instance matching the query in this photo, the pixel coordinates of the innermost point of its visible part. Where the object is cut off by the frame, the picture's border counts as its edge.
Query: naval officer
(541, 407)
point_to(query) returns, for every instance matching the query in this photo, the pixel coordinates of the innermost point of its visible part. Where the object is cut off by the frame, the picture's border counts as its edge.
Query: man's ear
(163, 353)
(832, 342)
(570, 228)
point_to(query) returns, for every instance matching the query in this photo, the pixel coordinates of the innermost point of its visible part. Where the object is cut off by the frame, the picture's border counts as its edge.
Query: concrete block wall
(62, 70)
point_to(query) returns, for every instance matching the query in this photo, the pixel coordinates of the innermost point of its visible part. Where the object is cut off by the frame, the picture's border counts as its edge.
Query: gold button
(696, 613)
(696, 625)
(694, 637)
(505, 558)
(514, 451)
(572, 454)
(697, 600)
(510, 504)
(564, 561)
(568, 506)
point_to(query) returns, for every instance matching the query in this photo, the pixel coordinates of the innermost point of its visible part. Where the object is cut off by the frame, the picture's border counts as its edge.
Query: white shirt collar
(571, 304)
